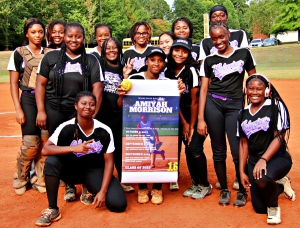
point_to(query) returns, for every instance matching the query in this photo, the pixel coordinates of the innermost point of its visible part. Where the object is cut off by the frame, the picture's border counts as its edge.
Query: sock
(52, 185)
(201, 169)
(237, 171)
(190, 160)
(220, 168)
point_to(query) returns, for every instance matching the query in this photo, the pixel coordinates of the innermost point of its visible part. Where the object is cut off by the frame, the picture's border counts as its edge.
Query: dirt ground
(176, 211)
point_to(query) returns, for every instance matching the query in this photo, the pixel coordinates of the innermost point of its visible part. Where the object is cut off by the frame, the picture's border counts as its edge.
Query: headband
(218, 8)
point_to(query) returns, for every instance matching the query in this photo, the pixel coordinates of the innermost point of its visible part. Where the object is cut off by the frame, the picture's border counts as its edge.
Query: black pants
(265, 191)
(72, 171)
(56, 117)
(29, 107)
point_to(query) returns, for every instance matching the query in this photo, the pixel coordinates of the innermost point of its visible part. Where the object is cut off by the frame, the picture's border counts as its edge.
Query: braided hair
(219, 24)
(77, 99)
(120, 59)
(276, 104)
(136, 26)
(62, 61)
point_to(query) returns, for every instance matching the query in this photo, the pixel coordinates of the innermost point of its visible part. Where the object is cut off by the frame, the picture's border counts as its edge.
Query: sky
(170, 2)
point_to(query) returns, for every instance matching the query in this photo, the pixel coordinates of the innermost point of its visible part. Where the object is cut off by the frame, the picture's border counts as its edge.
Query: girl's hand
(41, 120)
(181, 86)
(128, 68)
(83, 147)
(99, 199)
(121, 92)
(245, 180)
(191, 132)
(258, 169)
(185, 131)
(202, 128)
(20, 117)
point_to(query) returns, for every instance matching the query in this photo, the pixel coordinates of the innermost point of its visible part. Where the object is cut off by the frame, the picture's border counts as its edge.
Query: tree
(158, 9)
(233, 19)
(288, 18)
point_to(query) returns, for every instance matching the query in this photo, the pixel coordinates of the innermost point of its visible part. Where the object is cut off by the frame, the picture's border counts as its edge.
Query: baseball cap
(157, 51)
(183, 42)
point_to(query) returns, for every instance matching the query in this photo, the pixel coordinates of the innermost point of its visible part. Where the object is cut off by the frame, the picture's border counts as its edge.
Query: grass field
(277, 62)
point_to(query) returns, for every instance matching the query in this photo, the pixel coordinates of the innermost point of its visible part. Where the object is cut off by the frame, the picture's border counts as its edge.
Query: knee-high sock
(201, 169)
(52, 184)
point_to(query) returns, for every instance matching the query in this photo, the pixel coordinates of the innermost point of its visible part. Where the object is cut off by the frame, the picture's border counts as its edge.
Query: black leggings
(265, 191)
(69, 169)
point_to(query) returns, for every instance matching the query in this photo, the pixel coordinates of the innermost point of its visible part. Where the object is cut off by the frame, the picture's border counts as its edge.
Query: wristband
(264, 159)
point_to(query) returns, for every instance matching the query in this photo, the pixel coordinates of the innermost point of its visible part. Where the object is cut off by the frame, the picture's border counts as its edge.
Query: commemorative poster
(150, 132)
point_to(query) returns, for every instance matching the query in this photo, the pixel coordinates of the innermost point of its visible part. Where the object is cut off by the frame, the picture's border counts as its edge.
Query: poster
(150, 132)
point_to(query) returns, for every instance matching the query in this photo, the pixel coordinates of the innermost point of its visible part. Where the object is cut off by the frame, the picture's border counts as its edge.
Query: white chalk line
(3, 113)
(10, 136)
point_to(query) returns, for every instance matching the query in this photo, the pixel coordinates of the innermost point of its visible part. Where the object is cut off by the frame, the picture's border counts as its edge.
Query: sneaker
(241, 199)
(202, 191)
(127, 188)
(288, 191)
(174, 187)
(86, 197)
(224, 197)
(273, 215)
(143, 196)
(190, 191)
(70, 194)
(236, 185)
(157, 197)
(48, 215)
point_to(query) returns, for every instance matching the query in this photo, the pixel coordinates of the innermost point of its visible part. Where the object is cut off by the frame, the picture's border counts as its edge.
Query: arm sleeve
(282, 120)
(202, 53)
(44, 66)
(15, 61)
(250, 62)
(244, 42)
(95, 69)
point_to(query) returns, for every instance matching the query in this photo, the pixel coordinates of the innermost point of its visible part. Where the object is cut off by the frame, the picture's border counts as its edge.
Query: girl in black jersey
(183, 27)
(55, 34)
(140, 34)
(101, 33)
(263, 127)
(22, 68)
(81, 151)
(238, 38)
(220, 101)
(62, 74)
(182, 65)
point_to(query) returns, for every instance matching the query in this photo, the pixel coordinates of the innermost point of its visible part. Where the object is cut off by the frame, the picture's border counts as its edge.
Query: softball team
(52, 83)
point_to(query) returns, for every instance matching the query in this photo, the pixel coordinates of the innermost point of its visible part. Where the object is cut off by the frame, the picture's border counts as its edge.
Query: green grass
(277, 62)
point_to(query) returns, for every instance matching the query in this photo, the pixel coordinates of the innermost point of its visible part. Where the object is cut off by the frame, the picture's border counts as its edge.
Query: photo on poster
(150, 137)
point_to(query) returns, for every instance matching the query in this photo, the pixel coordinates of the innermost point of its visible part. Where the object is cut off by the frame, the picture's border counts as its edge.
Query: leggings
(71, 170)
(265, 191)
(57, 117)
(29, 107)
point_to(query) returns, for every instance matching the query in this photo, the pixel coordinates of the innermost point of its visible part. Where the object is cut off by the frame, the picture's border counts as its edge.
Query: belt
(28, 91)
(220, 97)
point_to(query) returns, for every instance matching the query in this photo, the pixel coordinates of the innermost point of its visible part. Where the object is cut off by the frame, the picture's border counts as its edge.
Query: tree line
(266, 16)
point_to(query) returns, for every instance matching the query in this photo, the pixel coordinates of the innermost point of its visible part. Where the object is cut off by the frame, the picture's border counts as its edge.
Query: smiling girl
(264, 127)
(220, 100)
(102, 32)
(55, 34)
(182, 65)
(81, 152)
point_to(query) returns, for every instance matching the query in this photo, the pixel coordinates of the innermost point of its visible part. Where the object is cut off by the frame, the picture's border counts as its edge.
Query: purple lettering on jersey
(139, 62)
(250, 127)
(111, 82)
(221, 70)
(73, 68)
(97, 147)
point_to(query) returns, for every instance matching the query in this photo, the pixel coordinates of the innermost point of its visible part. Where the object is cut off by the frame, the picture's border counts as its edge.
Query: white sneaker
(236, 185)
(288, 191)
(273, 215)
(190, 191)
(127, 188)
(174, 186)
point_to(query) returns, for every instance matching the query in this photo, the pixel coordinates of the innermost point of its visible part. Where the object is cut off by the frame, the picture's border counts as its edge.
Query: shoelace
(224, 194)
(47, 213)
(240, 196)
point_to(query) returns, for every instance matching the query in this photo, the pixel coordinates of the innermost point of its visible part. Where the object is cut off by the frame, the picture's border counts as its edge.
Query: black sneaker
(48, 215)
(70, 194)
(241, 199)
(224, 197)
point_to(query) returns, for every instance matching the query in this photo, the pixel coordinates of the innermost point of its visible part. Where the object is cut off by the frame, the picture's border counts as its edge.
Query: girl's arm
(243, 157)
(51, 149)
(194, 112)
(269, 153)
(185, 126)
(97, 90)
(40, 92)
(14, 91)
(107, 175)
(121, 92)
(202, 127)
(252, 71)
